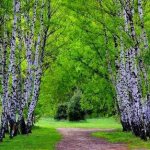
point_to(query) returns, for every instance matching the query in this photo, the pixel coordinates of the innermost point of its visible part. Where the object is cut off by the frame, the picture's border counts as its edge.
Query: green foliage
(61, 112)
(71, 110)
(79, 61)
(77, 54)
(75, 112)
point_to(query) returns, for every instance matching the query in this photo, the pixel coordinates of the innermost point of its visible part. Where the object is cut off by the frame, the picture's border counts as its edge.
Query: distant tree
(62, 112)
(75, 111)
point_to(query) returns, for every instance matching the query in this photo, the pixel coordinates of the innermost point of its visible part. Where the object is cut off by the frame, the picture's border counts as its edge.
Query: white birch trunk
(13, 71)
(144, 39)
(141, 16)
(29, 44)
(4, 86)
(38, 74)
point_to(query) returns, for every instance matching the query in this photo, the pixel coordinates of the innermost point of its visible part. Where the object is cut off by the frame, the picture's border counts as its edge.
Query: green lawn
(104, 123)
(123, 137)
(42, 138)
(45, 135)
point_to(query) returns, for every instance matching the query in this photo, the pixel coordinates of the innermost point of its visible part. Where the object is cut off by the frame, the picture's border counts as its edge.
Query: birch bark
(4, 86)
(38, 74)
(12, 67)
(137, 122)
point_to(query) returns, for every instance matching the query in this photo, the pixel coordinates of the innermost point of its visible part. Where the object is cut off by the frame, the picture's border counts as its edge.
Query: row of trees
(121, 27)
(24, 32)
(131, 74)
(124, 47)
(103, 48)
(132, 85)
(107, 42)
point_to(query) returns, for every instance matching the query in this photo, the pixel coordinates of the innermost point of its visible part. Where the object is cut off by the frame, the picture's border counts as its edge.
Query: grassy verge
(42, 138)
(45, 136)
(123, 137)
(103, 123)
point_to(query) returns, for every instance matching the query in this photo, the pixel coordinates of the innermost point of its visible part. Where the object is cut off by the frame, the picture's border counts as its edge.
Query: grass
(42, 138)
(45, 136)
(104, 123)
(124, 137)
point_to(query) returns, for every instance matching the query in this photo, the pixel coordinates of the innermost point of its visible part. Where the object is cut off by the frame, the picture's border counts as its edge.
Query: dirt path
(80, 139)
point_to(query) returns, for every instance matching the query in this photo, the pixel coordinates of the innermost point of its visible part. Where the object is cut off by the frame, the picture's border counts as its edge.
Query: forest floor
(81, 139)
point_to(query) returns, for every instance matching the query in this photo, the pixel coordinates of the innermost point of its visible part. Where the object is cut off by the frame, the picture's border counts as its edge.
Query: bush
(75, 112)
(61, 112)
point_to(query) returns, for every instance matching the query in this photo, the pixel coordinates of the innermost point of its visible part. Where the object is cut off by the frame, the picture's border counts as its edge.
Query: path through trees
(80, 139)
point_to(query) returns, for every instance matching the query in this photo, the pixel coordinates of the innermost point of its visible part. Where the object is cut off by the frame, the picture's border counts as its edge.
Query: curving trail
(81, 139)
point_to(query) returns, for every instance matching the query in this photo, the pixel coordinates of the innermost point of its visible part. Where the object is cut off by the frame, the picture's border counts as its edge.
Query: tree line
(23, 37)
(103, 51)
(131, 80)
(117, 32)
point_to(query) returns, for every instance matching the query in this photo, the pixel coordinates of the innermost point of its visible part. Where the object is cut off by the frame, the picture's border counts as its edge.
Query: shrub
(61, 112)
(75, 112)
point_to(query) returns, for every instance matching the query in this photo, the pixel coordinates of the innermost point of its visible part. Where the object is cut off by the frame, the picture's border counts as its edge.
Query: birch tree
(24, 45)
